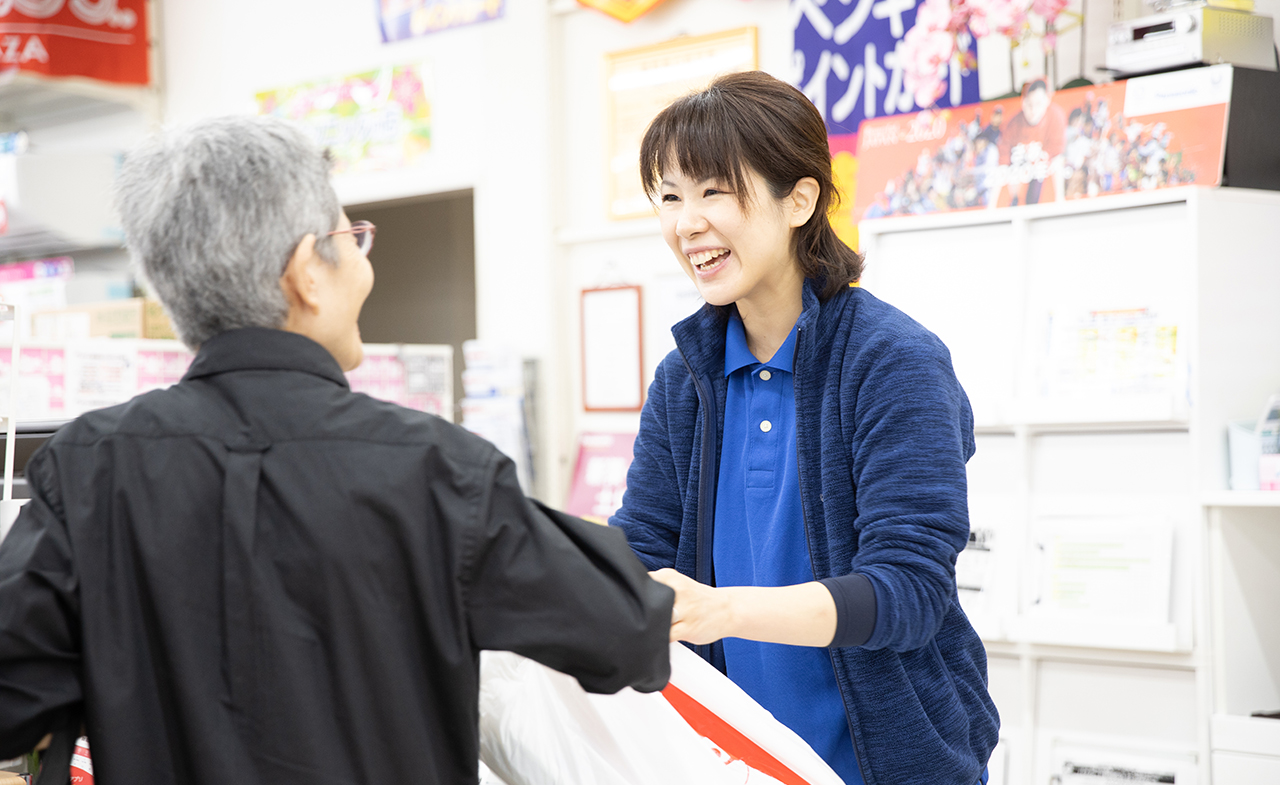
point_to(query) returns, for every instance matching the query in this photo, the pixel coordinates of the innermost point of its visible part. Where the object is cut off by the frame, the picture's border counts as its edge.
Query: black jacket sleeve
(39, 620)
(566, 593)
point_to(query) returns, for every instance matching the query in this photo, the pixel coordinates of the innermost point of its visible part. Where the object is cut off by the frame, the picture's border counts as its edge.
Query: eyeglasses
(362, 231)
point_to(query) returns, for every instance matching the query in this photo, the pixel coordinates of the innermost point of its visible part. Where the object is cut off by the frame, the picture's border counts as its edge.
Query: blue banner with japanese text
(848, 59)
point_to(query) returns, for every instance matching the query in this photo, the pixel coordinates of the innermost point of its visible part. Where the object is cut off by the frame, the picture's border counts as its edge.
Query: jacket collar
(737, 354)
(701, 337)
(263, 349)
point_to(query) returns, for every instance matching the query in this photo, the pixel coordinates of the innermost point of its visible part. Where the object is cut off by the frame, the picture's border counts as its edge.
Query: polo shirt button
(766, 426)
(765, 376)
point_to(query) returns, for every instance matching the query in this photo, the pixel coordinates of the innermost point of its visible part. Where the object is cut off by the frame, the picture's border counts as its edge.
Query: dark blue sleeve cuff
(855, 608)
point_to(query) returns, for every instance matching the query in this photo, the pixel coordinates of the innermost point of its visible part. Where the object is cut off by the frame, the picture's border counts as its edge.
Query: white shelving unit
(1071, 436)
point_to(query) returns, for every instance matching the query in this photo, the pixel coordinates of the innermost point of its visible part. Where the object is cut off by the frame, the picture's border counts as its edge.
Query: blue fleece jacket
(883, 431)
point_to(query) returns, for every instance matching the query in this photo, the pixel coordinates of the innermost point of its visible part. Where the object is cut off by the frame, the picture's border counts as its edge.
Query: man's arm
(567, 593)
(39, 606)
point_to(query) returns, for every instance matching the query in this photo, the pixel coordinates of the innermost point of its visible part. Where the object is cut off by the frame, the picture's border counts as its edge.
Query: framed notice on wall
(612, 350)
(639, 83)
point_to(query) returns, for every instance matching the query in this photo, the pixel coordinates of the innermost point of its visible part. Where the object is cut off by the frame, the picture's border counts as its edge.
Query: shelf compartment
(1249, 735)
(1241, 499)
(1122, 635)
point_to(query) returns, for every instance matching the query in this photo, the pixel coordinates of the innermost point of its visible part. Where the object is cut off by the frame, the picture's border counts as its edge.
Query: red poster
(99, 39)
(1138, 135)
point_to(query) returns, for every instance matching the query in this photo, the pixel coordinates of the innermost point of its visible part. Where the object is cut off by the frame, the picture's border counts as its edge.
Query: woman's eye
(670, 198)
(712, 192)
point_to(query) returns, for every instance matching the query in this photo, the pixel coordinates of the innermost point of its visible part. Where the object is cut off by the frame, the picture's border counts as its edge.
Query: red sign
(99, 39)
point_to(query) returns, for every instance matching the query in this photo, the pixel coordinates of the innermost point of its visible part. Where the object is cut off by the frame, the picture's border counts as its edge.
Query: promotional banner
(400, 19)
(848, 60)
(373, 121)
(98, 39)
(1138, 135)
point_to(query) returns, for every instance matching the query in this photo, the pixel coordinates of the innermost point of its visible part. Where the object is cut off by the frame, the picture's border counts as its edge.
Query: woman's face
(732, 254)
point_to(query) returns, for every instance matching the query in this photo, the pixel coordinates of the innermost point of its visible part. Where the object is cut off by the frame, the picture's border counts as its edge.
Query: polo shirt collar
(264, 349)
(738, 356)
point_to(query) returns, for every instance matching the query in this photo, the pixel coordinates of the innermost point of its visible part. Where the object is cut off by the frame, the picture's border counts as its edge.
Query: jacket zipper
(702, 570)
(804, 517)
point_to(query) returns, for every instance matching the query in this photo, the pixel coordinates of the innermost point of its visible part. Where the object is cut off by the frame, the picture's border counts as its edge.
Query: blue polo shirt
(760, 541)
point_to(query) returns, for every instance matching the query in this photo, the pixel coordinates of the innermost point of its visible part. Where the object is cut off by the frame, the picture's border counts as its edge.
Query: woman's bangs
(688, 137)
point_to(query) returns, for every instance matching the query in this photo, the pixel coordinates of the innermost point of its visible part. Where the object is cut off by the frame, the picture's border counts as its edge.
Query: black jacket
(258, 576)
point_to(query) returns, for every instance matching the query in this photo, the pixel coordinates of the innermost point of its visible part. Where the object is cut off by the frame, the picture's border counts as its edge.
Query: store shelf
(1044, 652)
(1250, 735)
(916, 223)
(1128, 636)
(31, 102)
(1201, 257)
(1241, 499)
(1119, 426)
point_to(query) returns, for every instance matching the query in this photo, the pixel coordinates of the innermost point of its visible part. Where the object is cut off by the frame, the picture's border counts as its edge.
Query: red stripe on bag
(728, 738)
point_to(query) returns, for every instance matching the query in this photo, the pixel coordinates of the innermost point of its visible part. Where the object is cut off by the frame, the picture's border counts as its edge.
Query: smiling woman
(799, 474)
(737, 254)
(746, 127)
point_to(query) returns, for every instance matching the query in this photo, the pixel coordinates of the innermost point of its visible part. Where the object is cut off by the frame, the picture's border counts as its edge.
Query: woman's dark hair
(752, 120)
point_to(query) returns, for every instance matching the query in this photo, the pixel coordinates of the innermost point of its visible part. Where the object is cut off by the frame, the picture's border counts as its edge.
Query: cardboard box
(133, 318)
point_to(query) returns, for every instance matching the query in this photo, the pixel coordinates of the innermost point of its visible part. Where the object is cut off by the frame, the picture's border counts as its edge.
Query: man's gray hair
(213, 212)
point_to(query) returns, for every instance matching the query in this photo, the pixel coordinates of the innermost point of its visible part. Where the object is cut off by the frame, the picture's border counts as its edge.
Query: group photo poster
(1138, 135)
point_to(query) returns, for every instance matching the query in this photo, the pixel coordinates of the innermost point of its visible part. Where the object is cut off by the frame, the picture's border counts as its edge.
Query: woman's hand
(800, 615)
(701, 614)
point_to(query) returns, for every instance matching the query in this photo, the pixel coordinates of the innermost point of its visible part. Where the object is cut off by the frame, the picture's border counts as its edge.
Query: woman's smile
(708, 263)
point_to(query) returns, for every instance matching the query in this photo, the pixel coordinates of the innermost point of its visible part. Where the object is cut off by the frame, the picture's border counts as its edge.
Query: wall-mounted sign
(103, 39)
(400, 19)
(373, 121)
(639, 83)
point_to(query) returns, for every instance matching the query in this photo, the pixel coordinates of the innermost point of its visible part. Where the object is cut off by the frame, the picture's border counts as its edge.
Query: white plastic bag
(538, 727)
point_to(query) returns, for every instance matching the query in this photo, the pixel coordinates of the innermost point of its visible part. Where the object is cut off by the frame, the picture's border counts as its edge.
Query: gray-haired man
(258, 575)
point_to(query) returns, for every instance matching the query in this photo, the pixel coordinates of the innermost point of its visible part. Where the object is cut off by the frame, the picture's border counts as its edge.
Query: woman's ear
(803, 201)
(299, 283)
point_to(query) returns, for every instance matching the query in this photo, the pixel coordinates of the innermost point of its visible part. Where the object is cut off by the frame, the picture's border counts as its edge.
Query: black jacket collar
(263, 349)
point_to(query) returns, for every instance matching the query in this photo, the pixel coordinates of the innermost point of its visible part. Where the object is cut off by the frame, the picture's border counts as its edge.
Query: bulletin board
(640, 83)
(612, 349)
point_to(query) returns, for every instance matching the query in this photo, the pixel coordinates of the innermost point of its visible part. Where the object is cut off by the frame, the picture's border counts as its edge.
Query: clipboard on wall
(612, 349)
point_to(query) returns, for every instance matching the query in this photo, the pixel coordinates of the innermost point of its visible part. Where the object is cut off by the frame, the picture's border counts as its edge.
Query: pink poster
(600, 477)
